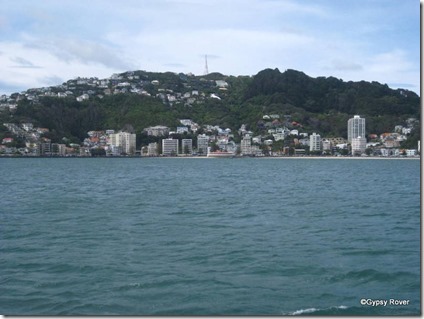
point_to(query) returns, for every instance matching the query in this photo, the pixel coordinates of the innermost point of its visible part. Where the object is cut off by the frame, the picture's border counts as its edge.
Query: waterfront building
(315, 142)
(114, 150)
(355, 127)
(336, 140)
(152, 149)
(246, 145)
(202, 144)
(411, 152)
(187, 146)
(58, 149)
(304, 141)
(170, 147)
(299, 151)
(359, 144)
(45, 149)
(389, 152)
(124, 141)
(326, 145)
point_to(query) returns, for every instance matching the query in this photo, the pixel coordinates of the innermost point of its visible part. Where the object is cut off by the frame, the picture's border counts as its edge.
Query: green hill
(143, 99)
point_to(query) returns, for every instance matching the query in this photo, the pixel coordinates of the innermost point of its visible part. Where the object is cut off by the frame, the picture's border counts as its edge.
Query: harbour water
(171, 236)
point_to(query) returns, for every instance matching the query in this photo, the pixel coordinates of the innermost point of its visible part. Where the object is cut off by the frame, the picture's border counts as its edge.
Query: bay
(190, 236)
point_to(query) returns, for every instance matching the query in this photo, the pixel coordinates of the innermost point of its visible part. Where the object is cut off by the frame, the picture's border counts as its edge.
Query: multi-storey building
(152, 149)
(355, 127)
(45, 149)
(58, 149)
(326, 145)
(246, 145)
(202, 144)
(315, 142)
(169, 147)
(187, 146)
(123, 140)
(359, 144)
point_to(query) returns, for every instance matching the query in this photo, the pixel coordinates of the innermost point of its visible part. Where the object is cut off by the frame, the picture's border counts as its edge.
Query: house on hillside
(158, 130)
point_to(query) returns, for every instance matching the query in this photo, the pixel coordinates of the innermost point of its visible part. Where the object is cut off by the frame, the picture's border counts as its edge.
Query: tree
(186, 150)
(214, 147)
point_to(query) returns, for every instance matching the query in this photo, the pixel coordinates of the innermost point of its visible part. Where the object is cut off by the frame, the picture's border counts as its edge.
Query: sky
(47, 42)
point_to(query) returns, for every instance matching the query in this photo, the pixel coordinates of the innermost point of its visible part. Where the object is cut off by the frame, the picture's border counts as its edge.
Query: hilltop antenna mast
(206, 65)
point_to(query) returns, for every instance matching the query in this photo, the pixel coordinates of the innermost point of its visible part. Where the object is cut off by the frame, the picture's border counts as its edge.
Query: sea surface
(173, 236)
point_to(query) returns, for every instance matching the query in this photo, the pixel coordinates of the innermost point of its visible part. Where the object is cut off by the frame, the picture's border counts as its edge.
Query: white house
(411, 152)
(182, 129)
(158, 130)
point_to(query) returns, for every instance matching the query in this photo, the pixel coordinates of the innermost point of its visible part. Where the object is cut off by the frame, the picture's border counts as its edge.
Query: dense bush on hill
(322, 95)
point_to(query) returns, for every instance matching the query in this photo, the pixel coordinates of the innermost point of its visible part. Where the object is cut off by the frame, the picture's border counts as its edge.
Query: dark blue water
(168, 236)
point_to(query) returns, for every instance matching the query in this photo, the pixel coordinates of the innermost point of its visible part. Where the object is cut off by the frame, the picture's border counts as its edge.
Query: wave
(356, 311)
(314, 311)
(369, 275)
(367, 252)
(353, 311)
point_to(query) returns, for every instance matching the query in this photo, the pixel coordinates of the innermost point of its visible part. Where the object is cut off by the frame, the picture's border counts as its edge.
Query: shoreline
(235, 157)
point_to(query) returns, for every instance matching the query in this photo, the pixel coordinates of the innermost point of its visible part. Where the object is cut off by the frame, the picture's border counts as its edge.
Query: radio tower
(206, 65)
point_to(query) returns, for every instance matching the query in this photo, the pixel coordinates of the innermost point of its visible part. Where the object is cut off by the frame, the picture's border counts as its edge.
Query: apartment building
(355, 128)
(359, 144)
(169, 147)
(202, 144)
(187, 146)
(152, 149)
(315, 142)
(246, 145)
(124, 141)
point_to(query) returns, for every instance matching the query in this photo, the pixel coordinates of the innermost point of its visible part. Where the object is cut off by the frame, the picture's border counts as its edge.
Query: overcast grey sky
(47, 42)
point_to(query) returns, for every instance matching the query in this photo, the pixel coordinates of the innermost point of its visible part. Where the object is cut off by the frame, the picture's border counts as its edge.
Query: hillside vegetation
(322, 105)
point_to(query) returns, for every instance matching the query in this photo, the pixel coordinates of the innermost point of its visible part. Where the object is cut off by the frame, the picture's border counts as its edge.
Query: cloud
(352, 39)
(292, 7)
(72, 50)
(343, 65)
(6, 87)
(392, 66)
(51, 80)
(210, 56)
(230, 50)
(175, 65)
(24, 74)
(23, 63)
(393, 61)
(402, 85)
